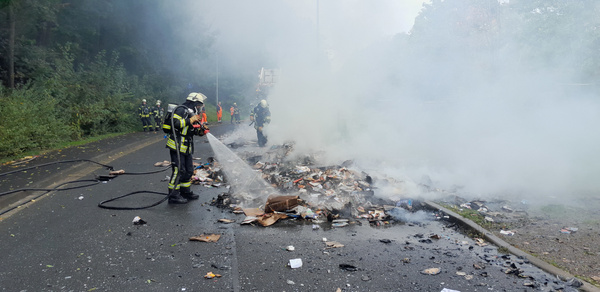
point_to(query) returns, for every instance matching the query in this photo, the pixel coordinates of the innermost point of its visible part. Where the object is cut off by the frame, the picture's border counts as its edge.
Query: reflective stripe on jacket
(182, 131)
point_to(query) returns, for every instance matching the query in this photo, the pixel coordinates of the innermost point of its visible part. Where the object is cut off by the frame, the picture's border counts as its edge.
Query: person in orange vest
(204, 119)
(219, 112)
(232, 110)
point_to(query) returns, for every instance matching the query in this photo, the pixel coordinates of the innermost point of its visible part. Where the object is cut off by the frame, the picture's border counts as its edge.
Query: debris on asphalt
(116, 172)
(568, 230)
(295, 263)
(211, 275)
(281, 203)
(507, 232)
(333, 244)
(226, 221)
(206, 237)
(349, 268)
(290, 248)
(431, 271)
(164, 163)
(138, 221)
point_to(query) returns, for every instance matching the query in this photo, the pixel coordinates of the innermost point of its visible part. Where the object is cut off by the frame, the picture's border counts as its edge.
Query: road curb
(501, 243)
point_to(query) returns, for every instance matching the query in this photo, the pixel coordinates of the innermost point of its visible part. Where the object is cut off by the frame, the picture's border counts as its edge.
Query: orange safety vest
(231, 110)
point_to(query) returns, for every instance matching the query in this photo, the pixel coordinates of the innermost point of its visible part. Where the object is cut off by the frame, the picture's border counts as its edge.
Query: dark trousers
(185, 171)
(262, 139)
(147, 123)
(158, 122)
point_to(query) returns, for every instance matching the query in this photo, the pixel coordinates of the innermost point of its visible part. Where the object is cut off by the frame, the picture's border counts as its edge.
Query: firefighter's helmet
(263, 103)
(143, 100)
(158, 102)
(196, 97)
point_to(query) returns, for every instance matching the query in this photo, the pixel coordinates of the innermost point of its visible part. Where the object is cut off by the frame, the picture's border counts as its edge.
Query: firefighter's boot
(176, 198)
(188, 194)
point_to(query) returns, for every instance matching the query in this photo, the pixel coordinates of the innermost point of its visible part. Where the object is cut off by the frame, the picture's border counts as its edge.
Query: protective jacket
(158, 112)
(180, 130)
(261, 116)
(144, 111)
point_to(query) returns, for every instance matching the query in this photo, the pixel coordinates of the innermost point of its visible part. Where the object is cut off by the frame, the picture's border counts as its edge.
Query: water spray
(248, 184)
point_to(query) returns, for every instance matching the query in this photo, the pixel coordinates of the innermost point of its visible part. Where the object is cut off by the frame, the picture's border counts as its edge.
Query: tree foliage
(81, 67)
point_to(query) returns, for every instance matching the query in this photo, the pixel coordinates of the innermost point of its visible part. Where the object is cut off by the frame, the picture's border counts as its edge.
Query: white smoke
(481, 122)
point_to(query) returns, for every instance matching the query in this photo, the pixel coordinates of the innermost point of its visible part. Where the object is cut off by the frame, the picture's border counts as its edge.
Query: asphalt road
(64, 242)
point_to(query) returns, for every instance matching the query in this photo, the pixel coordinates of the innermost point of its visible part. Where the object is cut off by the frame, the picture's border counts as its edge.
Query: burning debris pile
(281, 187)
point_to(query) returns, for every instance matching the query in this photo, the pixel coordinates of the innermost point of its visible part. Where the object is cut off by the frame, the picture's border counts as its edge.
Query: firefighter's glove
(195, 119)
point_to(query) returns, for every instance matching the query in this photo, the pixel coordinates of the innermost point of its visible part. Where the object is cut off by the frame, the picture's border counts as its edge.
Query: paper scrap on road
(206, 238)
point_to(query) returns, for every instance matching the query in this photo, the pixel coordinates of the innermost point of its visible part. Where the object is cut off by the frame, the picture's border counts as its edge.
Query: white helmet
(143, 100)
(158, 102)
(196, 97)
(263, 103)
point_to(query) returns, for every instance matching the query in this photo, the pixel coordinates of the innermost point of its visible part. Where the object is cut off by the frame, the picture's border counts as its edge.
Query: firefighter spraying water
(181, 124)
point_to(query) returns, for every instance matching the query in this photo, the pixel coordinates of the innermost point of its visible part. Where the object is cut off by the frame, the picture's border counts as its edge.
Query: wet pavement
(64, 242)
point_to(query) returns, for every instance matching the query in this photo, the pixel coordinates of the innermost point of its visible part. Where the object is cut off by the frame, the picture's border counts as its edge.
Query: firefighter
(232, 110)
(236, 113)
(158, 112)
(179, 126)
(219, 112)
(144, 112)
(260, 117)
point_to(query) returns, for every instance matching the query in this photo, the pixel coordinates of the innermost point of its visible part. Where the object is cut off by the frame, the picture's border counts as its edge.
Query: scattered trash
(449, 290)
(226, 221)
(569, 230)
(117, 172)
(333, 244)
(295, 263)
(211, 275)
(80, 198)
(385, 240)
(164, 163)
(138, 221)
(349, 268)
(478, 266)
(431, 271)
(206, 238)
(290, 282)
(507, 232)
(270, 219)
(281, 203)
(290, 248)
(339, 223)
(480, 242)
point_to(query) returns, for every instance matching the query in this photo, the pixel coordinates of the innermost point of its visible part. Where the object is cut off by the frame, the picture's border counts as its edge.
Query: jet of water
(247, 184)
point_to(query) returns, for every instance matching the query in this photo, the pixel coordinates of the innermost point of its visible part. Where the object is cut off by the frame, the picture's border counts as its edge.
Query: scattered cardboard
(206, 238)
(281, 203)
